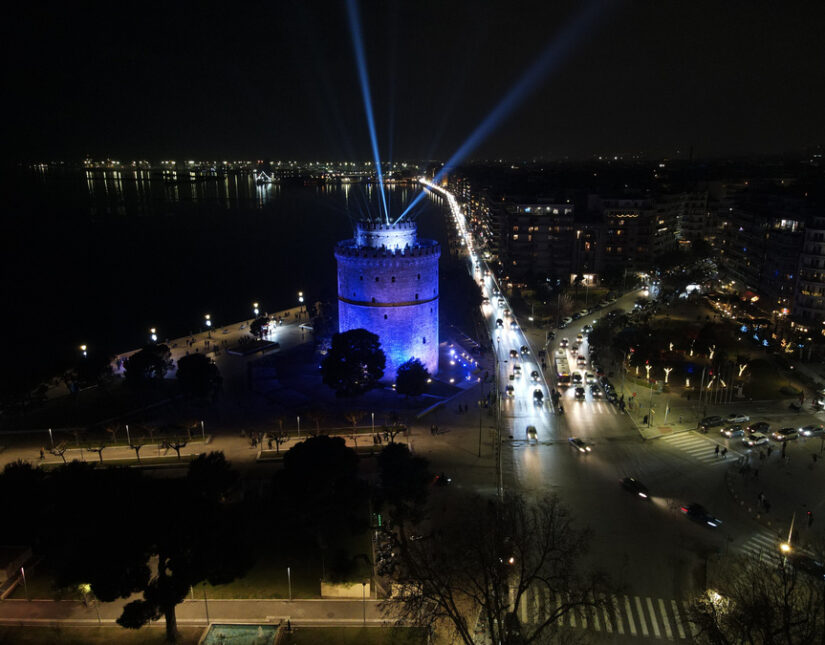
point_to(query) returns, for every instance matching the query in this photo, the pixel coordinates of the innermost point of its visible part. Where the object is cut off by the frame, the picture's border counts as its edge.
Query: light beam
(547, 62)
(361, 61)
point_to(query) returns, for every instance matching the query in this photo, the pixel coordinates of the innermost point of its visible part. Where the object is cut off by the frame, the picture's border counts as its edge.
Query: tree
(317, 415)
(211, 476)
(147, 365)
(393, 427)
(354, 364)
(136, 444)
(319, 489)
(198, 375)
(98, 448)
(486, 556)
(411, 378)
(60, 451)
(404, 482)
(176, 444)
(760, 601)
(257, 327)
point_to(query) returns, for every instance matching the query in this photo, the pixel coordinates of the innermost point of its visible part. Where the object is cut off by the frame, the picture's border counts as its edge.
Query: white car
(737, 418)
(755, 439)
(811, 431)
(589, 378)
(566, 321)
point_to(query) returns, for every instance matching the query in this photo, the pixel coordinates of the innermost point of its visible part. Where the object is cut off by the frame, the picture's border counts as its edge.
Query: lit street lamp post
(153, 335)
(83, 349)
(255, 309)
(364, 599)
(300, 303)
(25, 584)
(208, 320)
(289, 582)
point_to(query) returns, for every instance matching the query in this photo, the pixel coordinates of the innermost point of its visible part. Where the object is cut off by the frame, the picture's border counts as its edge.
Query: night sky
(279, 80)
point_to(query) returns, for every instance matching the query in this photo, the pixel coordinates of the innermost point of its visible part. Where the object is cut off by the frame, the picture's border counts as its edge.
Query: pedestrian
(813, 456)
(288, 625)
(42, 454)
(716, 452)
(784, 446)
(269, 443)
(724, 453)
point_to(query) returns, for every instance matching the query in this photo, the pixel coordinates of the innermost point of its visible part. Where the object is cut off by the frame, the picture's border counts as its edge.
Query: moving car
(513, 353)
(485, 300)
(596, 391)
(532, 434)
(513, 325)
(589, 378)
(785, 434)
(538, 396)
(499, 322)
(579, 445)
(564, 342)
(534, 376)
(576, 378)
(699, 513)
(506, 313)
(733, 431)
(524, 350)
(509, 391)
(635, 486)
(581, 361)
(517, 371)
(575, 347)
(580, 393)
(812, 431)
(737, 418)
(755, 439)
(759, 426)
(587, 328)
(580, 338)
(501, 302)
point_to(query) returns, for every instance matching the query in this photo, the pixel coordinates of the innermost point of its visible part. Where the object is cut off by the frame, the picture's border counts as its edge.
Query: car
(576, 316)
(635, 486)
(785, 434)
(579, 394)
(710, 422)
(755, 439)
(807, 564)
(442, 480)
(513, 353)
(485, 300)
(499, 322)
(506, 313)
(538, 396)
(581, 361)
(580, 338)
(513, 325)
(574, 347)
(524, 350)
(604, 303)
(760, 426)
(560, 352)
(812, 431)
(551, 335)
(509, 391)
(501, 302)
(733, 431)
(517, 371)
(579, 445)
(589, 378)
(565, 321)
(564, 342)
(587, 328)
(534, 376)
(699, 513)
(737, 418)
(584, 312)
(532, 433)
(596, 391)
(576, 378)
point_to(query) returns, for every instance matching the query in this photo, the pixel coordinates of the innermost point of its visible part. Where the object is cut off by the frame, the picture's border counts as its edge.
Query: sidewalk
(792, 486)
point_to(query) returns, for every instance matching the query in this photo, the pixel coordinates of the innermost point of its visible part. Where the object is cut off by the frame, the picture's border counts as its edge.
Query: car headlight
(642, 495)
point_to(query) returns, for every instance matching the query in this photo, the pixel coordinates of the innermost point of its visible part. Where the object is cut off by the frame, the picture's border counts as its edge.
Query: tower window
(423, 340)
(419, 276)
(376, 278)
(416, 296)
(361, 278)
(385, 316)
(393, 278)
(373, 299)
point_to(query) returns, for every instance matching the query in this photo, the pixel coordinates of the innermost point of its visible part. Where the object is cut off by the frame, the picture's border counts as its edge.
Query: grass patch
(105, 635)
(354, 636)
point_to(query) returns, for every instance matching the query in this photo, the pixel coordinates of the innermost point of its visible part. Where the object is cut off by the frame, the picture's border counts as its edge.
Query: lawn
(70, 635)
(354, 636)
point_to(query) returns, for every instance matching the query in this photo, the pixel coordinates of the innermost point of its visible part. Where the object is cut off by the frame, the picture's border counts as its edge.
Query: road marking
(678, 619)
(630, 622)
(523, 605)
(596, 621)
(665, 619)
(572, 614)
(641, 616)
(653, 621)
(617, 614)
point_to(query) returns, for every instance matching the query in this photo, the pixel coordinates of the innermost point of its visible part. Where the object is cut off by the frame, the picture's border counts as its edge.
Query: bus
(562, 371)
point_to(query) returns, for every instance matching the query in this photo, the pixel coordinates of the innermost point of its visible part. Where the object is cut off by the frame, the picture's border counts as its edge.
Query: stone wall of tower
(394, 294)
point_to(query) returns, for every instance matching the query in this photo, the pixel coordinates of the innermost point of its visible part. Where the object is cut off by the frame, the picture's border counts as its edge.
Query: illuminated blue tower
(388, 284)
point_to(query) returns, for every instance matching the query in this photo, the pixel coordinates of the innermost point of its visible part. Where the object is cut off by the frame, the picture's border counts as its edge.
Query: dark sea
(99, 257)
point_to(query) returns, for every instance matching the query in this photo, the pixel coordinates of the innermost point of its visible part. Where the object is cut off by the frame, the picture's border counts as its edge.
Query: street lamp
(83, 349)
(153, 334)
(289, 582)
(208, 319)
(255, 309)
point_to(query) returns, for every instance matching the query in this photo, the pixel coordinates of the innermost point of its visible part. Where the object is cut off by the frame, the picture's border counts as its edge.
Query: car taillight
(684, 510)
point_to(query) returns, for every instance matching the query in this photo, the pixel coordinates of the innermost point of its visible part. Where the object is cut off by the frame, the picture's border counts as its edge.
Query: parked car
(785, 434)
(565, 321)
(710, 422)
(737, 418)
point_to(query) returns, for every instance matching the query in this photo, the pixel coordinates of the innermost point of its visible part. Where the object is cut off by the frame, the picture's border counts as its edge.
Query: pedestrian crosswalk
(700, 448)
(623, 615)
(760, 544)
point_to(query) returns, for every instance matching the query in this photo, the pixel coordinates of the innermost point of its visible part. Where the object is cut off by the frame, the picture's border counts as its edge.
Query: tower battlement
(388, 284)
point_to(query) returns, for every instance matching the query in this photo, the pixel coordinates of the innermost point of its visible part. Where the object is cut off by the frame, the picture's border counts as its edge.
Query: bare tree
(485, 558)
(317, 416)
(98, 448)
(354, 416)
(176, 444)
(773, 599)
(112, 430)
(393, 427)
(60, 451)
(279, 436)
(136, 445)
